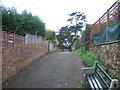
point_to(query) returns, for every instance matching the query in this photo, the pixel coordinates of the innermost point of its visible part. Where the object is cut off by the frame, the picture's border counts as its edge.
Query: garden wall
(110, 57)
(17, 57)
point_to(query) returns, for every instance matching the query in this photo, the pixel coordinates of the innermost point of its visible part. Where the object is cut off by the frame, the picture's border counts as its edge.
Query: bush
(89, 57)
(74, 39)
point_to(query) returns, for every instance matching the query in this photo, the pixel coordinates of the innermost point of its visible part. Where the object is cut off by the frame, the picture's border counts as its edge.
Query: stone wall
(110, 58)
(16, 58)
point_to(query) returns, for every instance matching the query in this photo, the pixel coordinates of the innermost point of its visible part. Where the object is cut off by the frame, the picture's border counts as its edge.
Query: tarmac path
(55, 70)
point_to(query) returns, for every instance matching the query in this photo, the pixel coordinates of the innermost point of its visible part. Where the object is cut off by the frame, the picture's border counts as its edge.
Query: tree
(65, 38)
(76, 20)
(21, 23)
(50, 35)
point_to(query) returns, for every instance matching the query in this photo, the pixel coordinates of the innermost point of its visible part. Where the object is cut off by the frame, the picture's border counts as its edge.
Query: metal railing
(111, 16)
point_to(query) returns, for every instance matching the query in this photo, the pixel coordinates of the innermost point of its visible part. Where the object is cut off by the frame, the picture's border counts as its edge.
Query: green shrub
(81, 51)
(74, 39)
(89, 57)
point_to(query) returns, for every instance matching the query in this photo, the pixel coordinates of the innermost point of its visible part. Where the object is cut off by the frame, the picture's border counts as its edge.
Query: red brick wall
(17, 57)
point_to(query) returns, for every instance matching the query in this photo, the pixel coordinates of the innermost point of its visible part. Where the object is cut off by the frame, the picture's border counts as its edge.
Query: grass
(89, 57)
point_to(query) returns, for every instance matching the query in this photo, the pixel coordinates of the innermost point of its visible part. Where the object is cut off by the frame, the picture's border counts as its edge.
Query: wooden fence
(10, 39)
(110, 16)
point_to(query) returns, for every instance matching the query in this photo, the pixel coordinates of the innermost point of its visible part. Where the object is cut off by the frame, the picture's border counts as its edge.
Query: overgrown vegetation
(89, 57)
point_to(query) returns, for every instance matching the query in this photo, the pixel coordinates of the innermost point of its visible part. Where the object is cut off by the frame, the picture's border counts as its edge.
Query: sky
(55, 12)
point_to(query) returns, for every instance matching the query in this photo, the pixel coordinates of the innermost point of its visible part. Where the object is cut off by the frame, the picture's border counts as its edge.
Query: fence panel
(11, 39)
(32, 38)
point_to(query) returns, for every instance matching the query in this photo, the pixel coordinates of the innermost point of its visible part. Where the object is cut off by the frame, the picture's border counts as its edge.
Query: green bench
(98, 79)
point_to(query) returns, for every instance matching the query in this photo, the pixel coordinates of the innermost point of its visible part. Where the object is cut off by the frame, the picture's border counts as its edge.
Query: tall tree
(76, 20)
(67, 33)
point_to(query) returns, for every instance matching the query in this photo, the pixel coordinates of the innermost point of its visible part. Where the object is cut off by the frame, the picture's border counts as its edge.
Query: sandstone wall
(17, 57)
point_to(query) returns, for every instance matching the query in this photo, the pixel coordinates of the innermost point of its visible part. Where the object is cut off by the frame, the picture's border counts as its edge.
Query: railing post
(107, 17)
(118, 3)
(99, 25)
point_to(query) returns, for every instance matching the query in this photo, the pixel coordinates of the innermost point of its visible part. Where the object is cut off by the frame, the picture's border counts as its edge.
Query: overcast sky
(55, 12)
